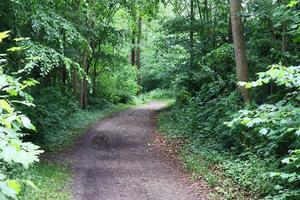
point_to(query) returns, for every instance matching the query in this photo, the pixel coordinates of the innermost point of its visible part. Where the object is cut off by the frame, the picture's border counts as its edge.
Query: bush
(273, 129)
(14, 152)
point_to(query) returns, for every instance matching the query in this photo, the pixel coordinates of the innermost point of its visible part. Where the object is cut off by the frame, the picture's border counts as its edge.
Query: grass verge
(52, 182)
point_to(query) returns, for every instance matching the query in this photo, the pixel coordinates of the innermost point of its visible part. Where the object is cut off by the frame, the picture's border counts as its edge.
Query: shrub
(14, 152)
(273, 129)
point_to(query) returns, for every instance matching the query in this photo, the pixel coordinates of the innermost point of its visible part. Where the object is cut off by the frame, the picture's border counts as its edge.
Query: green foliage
(119, 85)
(46, 59)
(54, 107)
(206, 156)
(274, 128)
(52, 181)
(55, 30)
(14, 152)
(158, 94)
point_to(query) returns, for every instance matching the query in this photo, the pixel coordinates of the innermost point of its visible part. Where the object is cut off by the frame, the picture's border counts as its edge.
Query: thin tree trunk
(284, 38)
(192, 19)
(199, 10)
(138, 54)
(74, 82)
(94, 78)
(206, 9)
(239, 44)
(83, 85)
(133, 61)
(64, 70)
(230, 40)
(284, 41)
(64, 76)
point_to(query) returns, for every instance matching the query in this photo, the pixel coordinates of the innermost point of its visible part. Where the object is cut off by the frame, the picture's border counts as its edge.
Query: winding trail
(114, 161)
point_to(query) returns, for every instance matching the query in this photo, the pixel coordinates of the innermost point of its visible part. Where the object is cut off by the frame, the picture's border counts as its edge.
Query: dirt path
(114, 161)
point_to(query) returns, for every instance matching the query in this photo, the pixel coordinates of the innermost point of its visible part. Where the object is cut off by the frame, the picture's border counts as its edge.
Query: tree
(239, 45)
(138, 51)
(192, 42)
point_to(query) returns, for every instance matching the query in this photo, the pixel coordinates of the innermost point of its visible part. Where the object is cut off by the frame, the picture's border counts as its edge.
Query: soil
(116, 160)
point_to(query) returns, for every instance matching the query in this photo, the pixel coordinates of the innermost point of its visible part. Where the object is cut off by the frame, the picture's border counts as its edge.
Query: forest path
(115, 161)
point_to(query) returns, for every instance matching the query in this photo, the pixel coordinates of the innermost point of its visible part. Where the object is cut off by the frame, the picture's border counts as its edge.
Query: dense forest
(230, 67)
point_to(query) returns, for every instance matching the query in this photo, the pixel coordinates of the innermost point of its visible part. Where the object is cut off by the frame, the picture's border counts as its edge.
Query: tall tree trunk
(94, 78)
(284, 41)
(138, 53)
(192, 42)
(230, 39)
(83, 84)
(133, 61)
(199, 10)
(74, 82)
(206, 9)
(64, 76)
(64, 70)
(239, 45)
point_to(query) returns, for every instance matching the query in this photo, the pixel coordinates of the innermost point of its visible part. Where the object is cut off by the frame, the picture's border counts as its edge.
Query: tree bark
(230, 39)
(192, 19)
(133, 48)
(94, 78)
(206, 9)
(138, 54)
(199, 10)
(284, 41)
(239, 45)
(74, 82)
(83, 84)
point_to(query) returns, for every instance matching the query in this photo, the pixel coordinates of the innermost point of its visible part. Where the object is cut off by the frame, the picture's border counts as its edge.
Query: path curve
(114, 161)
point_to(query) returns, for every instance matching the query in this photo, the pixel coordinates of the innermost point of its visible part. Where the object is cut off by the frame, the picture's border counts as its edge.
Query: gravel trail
(115, 161)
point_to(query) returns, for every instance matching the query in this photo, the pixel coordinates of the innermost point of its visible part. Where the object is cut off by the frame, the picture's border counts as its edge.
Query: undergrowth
(75, 126)
(232, 176)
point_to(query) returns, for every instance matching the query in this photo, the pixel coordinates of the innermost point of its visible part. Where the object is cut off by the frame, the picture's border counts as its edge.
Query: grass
(52, 182)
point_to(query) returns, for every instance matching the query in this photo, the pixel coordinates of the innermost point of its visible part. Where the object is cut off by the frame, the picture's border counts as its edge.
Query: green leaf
(4, 35)
(263, 131)
(5, 105)
(16, 49)
(21, 39)
(286, 160)
(26, 123)
(15, 185)
(278, 187)
(275, 174)
(292, 3)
